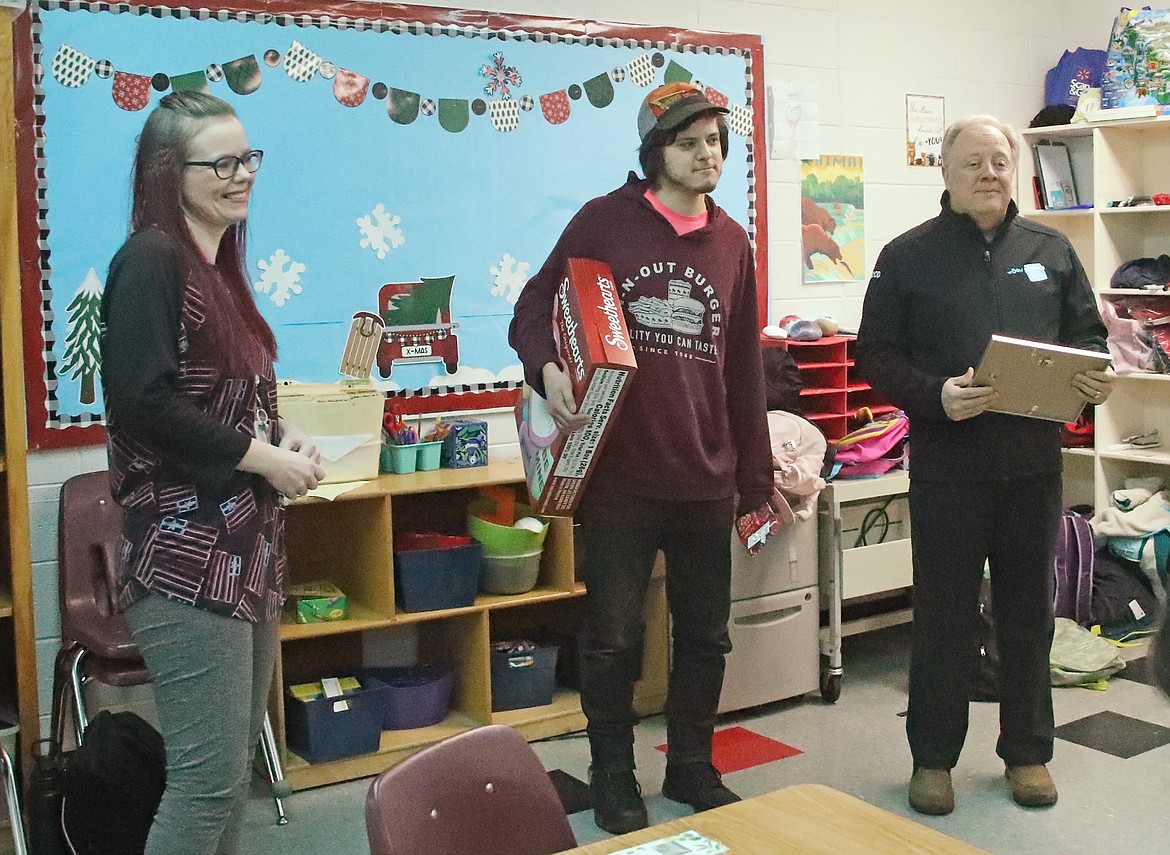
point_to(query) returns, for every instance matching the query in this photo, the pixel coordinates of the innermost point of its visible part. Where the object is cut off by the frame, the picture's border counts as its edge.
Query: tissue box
(317, 602)
(596, 352)
(465, 445)
(344, 419)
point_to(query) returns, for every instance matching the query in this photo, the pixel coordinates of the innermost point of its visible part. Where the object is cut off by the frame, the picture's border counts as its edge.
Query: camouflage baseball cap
(671, 104)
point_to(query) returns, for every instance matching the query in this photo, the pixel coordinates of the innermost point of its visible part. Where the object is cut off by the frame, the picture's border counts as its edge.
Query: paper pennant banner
(526, 103)
(555, 106)
(402, 106)
(214, 72)
(131, 91)
(243, 75)
(716, 97)
(740, 120)
(453, 115)
(350, 88)
(428, 107)
(104, 68)
(675, 73)
(641, 70)
(300, 63)
(599, 90)
(618, 74)
(327, 70)
(505, 114)
(192, 81)
(71, 67)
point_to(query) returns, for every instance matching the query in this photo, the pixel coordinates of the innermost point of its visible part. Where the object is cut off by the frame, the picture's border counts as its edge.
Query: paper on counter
(686, 843)
(332, 491)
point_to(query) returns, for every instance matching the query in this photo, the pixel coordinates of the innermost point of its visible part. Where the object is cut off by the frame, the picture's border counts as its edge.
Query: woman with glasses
(199, 460)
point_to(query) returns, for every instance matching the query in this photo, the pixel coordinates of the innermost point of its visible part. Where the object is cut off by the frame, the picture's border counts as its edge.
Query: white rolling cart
(864, 553)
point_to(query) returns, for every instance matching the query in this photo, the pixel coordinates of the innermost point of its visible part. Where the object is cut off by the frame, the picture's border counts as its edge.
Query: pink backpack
(875, 448)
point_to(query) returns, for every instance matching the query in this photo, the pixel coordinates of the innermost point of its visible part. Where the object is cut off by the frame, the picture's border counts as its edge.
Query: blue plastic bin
(523, 679)
(434, 571)
(415, 696)
(328, 729)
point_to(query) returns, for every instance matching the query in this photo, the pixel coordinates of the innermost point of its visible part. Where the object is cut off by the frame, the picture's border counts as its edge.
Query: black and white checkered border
(456, 389)
(324, 22)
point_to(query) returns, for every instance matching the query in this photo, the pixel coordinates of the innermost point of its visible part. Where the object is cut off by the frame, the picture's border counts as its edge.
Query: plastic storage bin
(435, 571)
(509, 574)
(523, 679)
(415, 695)
(325, 729)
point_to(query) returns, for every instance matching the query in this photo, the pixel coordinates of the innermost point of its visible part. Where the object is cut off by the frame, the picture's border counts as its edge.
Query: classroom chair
(482, 792)
(95, 639)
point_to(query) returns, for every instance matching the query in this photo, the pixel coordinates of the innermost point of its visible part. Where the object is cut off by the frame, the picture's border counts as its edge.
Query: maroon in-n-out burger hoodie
(693, 424)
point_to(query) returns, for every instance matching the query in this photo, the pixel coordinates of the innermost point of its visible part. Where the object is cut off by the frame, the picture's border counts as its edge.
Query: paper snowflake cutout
(380, 231)
(501, 78)
(509, 277)
(278, 281)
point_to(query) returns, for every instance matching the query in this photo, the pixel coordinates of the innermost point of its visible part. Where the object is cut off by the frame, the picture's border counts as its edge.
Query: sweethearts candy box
(595, 352)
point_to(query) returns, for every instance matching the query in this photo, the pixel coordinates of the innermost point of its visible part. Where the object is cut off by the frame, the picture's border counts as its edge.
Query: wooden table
(806, 819)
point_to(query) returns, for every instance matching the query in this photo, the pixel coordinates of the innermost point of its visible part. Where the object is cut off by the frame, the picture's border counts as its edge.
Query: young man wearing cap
(687, 453)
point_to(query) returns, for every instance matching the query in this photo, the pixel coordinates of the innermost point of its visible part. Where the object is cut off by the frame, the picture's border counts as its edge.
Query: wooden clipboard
(1034, 379)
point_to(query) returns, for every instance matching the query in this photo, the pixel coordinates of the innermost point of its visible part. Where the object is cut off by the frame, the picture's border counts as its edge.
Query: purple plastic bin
(415, 696)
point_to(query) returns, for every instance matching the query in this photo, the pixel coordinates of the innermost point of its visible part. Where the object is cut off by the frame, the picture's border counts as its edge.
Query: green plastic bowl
(503, 540)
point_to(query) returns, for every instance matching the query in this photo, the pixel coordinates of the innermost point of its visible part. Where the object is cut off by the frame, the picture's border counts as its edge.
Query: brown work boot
(1032, 785)
(931, 792)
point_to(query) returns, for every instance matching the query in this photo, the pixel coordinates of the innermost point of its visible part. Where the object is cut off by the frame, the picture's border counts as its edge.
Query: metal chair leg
(80, 720)
(13, 798)
(275, 772)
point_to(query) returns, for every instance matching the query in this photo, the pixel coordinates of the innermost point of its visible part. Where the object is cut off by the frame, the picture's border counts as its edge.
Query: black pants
(955, 528)
(620, 543)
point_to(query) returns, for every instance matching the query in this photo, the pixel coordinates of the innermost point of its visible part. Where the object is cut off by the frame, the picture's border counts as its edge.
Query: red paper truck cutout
(418, 324)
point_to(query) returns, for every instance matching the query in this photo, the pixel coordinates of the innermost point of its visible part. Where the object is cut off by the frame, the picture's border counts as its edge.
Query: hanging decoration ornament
(501, 77)
(526, 103)
(350, 88)
(402, 106)
(675, 73)
(599, 90)
(555, 106)
(428, 107)
(104, 68)
(618, 74)
(131, 91)
(243, 75)
(71, 67)
(214, 72)
(300, 63)
(716, 97)
(453, 115)
(641, 70)
(505, 114)
(192, 81)
(272, 58)
(327, 70)
(160, 82)
(740, 120)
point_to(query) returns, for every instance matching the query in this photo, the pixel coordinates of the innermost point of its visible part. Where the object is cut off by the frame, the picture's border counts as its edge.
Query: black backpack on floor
(111, 785)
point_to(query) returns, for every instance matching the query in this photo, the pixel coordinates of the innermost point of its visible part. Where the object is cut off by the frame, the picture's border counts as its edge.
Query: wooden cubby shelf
(349, 541)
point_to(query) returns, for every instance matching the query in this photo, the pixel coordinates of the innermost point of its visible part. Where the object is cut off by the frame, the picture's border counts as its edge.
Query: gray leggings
(211, 676)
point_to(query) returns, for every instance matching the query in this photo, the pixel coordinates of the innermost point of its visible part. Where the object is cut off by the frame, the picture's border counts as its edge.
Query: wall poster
(419, 165)
(925, 122)
(832, 219)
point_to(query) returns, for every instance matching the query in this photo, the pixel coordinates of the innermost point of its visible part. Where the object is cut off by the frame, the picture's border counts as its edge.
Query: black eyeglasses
(229, 164)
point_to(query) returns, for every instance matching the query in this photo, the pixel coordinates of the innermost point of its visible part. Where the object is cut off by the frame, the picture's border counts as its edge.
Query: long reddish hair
(242, 339)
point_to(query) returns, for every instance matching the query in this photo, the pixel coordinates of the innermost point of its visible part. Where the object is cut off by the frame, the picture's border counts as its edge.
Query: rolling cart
(864, 552)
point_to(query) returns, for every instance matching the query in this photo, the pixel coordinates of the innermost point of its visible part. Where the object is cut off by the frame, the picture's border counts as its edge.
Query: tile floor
(1112, 767)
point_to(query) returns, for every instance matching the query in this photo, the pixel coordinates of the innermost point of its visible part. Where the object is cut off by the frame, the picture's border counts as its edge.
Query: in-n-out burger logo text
(569, 331)
(613, 314)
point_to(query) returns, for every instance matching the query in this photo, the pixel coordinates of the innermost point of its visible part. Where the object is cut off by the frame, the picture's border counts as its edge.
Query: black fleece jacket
(936, 296)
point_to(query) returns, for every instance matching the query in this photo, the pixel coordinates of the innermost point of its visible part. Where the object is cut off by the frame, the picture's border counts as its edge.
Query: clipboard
(1034, 379)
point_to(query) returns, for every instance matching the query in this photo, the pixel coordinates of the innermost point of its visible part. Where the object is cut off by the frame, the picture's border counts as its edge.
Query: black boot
(696, 784)
(617, 801)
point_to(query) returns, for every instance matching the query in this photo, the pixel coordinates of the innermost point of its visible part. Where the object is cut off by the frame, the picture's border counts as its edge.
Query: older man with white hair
(985, 487)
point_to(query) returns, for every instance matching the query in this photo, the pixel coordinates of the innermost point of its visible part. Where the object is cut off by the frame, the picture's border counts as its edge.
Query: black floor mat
(1116, 734)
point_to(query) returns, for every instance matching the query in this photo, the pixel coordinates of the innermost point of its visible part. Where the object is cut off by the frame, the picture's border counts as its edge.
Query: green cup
(428, 455)
(403, 458)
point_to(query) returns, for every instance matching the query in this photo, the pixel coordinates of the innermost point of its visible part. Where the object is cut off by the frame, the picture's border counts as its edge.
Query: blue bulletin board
(419, 165)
